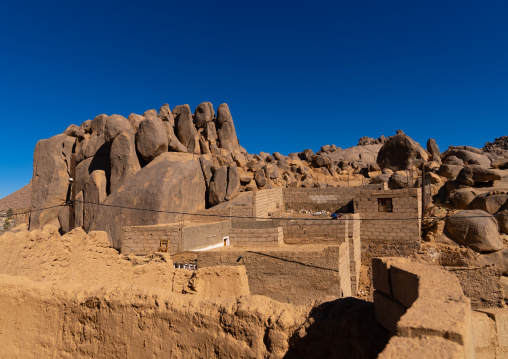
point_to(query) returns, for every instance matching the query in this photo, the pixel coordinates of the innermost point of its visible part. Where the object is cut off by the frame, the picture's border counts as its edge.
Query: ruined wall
(267, 202)
(300, 275)
(490, 332)
(319, 199)
(355, 249)
(424, 308)
(182, 237)
(390, 233)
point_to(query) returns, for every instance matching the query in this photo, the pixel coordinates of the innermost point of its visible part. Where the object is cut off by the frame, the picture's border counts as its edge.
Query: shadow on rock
(343, 328)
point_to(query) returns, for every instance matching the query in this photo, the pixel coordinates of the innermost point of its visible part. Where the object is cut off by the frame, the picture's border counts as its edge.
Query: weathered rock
(320, 161)
(433, 149)
(490, 203)
(226, 129)
(210, 132)
(124, 160)
(245, 179)
(115, 125)
(265, 156)
(206, 165)
(86, 126)
(63, 219)
(152, 113)
(306, 155)
(382, 178)
(470, 175)
(240, 159)
(151, 139)
(469, 156)
(449, 171)
(135, 120)
(50, 180)
(204, 113)
(260, 178)
(185, 130)
(166, 116)
(271, 171)
(98, 124)
(400, 152)
(218, 186)
(95, 193)
(454, 160)
(171, 182)
(475, 229)
(71, 130)
(461, 198)
(398, 180)
(204, 146)
(233, 182)
(502, 220)
(278, 156)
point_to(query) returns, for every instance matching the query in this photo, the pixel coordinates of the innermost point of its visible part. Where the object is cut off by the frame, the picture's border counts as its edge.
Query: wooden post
(72, 221)
(424, 195)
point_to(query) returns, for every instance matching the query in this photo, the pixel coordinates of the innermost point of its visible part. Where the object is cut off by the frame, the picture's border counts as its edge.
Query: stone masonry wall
(317, 231)
(182, 237)
(299, 276)
(319, 199)
(257, 237)
(355, 249)
(400, 229)
(267, 202)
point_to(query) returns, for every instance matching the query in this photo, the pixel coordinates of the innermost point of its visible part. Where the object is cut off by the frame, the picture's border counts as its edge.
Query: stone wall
(317, 231)
(355, 249)
(144, 240)
(424, 308)
(267, 202)
(257, 237)
(300, 275)
(319, 199)
(490, 332)
(390, 233)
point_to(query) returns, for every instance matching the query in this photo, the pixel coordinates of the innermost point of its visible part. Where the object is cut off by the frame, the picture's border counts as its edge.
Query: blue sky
(295, 74)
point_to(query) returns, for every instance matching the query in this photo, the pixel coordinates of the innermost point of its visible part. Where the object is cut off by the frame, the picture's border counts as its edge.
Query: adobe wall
(144, 240)
(327, 199)
(390, 233)
(424, 308)
(299, 275)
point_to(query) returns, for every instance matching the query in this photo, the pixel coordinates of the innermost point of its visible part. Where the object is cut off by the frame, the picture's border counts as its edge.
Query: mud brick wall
(355, 249)
(293, 276)
(257, 237)
(319, 199)
(267, 202)
(398, 230)
(146, 239)
(424, 308)
(318, 231)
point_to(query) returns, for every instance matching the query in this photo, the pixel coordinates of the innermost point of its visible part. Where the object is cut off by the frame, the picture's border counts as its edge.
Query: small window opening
(384, 205)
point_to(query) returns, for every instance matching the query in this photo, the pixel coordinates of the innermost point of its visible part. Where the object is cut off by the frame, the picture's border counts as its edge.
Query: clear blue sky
(295, 74)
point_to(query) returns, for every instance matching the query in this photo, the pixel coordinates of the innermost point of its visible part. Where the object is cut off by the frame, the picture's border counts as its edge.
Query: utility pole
(72, 193)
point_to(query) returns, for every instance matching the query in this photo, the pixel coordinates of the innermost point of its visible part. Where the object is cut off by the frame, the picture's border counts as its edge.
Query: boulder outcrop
(401, 152)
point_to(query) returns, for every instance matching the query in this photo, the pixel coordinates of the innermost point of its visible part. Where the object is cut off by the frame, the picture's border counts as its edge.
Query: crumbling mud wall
(424, 308)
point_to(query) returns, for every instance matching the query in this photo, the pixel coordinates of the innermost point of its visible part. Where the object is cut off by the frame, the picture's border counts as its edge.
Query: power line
(280, 218)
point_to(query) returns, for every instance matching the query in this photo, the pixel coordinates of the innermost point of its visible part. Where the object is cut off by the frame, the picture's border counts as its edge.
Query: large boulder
(173, 182)
(226, 129)
(489, 202)
(461, 198)
(401, 152)
(151, 139)
(469, 155)
(218, 186)
(115, 125)
(185, 129)
(50, 180)
(124, 160)
(449, 171)
(94, 194)
(475, 229)
(502, 220)
(233, 183)
(471, 175)
(204, 113)
(433, 149)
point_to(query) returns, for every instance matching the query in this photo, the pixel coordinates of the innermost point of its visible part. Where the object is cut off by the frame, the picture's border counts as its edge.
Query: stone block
(380, 272)
(484, 331)
(424, 347)
(500, 316)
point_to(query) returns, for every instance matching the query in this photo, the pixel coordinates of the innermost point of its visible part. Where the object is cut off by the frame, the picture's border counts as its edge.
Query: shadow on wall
(343, 328)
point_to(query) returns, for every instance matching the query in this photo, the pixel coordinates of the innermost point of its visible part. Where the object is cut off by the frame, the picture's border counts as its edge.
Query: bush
(7, 224)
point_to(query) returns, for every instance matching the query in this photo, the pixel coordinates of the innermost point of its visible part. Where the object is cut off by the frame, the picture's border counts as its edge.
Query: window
(384, 205)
